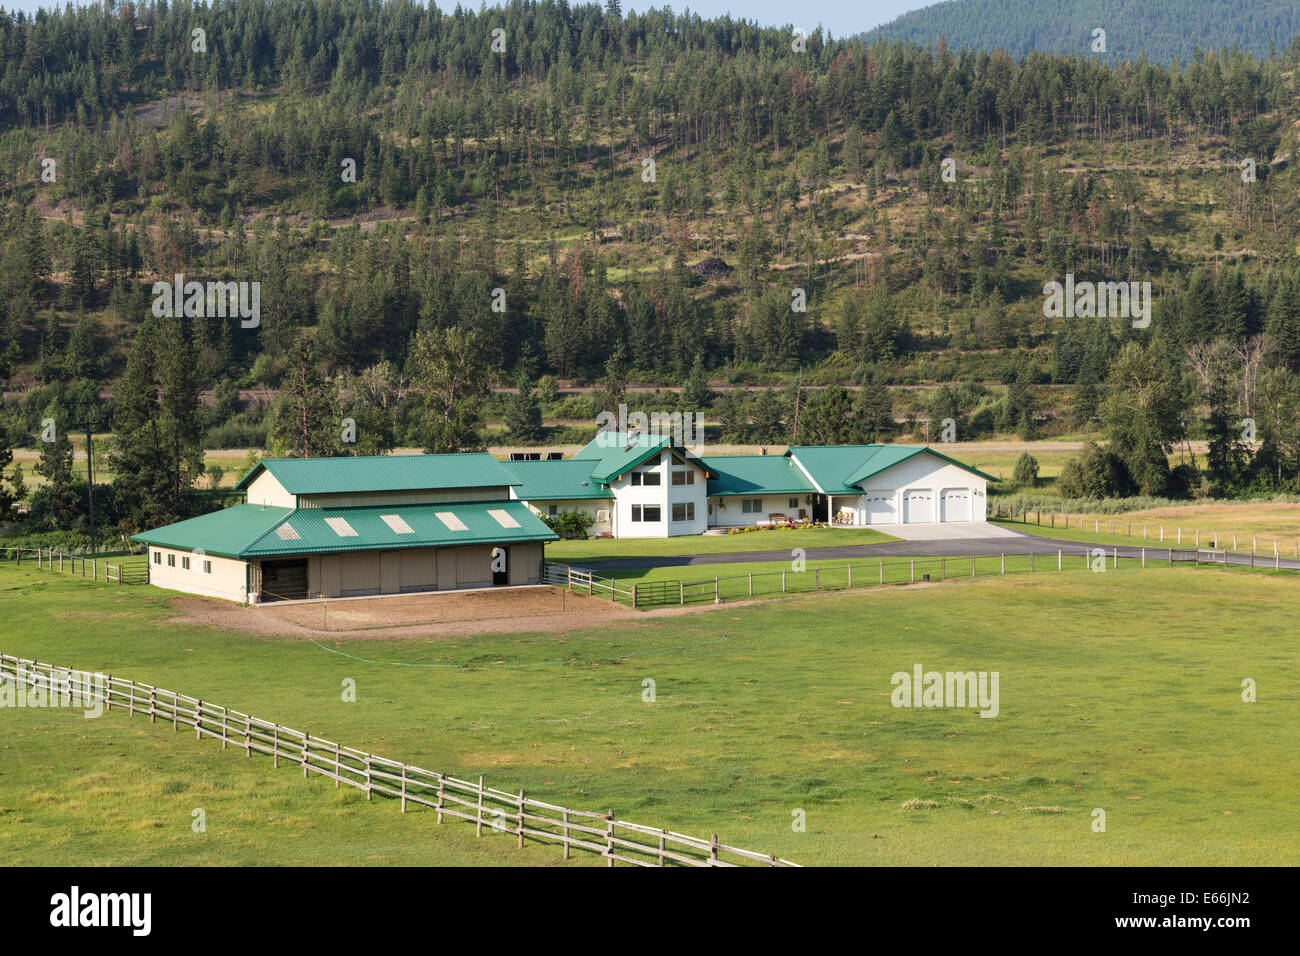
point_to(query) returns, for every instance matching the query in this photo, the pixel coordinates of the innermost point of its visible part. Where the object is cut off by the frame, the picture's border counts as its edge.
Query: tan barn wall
(417, 569)
(395, 498)
(267, 490)
(227, 579)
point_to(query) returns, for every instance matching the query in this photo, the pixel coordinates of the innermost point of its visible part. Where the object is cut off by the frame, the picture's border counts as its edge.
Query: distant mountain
(1165, 30)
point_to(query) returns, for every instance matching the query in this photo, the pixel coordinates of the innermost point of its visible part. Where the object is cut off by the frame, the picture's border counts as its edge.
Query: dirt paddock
(450, 613)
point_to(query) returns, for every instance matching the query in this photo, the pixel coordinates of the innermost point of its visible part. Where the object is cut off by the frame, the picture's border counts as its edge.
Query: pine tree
(523, 415)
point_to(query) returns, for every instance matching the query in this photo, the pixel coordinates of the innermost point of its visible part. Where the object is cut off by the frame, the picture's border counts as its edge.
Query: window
(636, 478)
(185, 563)
(751, 506)
(684, 511)
(157, 557)
(650, 478)
(683, 477)
(171, 560)
(651, 513)
(794, 502)
(636, 512)
(552, 511)
(207, 567)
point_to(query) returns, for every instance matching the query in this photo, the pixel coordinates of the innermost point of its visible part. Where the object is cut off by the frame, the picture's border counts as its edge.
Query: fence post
(521, 818)
(849, 567)
(403, 788)
(478, 824)
(565, 819)
(715, 590)
(198, 722)
(306, 754)
(275, 745)
(972, 565)
(713, 848)
(1004, 562)
(943, 568)
(663, 845)
(153, 715)
(882, 573)
(914, 570)
(634, 604)
(1144, 557)
(225, 727)
(369, 796)
(817, 579)
(1171, 557)
(438, 806)
(1115, 555)
(681, 593)
(613, 588)
(751, 583)
(609, 839)
(782, 582)
(1059, 560)
(338, 768)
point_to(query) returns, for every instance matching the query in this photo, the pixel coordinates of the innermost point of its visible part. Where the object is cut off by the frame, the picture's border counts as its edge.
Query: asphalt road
(961, 547)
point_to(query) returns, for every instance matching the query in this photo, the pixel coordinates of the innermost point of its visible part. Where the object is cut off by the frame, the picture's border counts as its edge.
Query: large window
(651, 513)
(751, 506)
(683, 477)
(684, 511)
(651, 478)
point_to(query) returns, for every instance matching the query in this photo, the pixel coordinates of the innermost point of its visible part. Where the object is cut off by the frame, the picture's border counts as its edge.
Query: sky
(842, 18)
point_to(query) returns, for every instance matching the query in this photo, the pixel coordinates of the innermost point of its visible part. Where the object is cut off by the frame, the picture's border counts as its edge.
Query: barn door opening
(500, 567)
(284, 580)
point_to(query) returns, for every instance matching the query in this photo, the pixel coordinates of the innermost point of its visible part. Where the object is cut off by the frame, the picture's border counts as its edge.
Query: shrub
(570, 524)
(1026, 472)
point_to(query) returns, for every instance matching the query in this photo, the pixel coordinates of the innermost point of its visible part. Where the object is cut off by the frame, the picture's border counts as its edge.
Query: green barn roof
(256, 531)
(756, 474)
(556, 480)
(321, 476)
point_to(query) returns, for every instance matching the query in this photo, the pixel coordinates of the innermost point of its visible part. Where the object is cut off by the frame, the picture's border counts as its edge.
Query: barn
(347, 527)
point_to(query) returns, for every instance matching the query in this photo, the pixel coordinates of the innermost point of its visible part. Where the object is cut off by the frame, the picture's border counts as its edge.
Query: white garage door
(879, 507)
(918, 506)
(954, 504)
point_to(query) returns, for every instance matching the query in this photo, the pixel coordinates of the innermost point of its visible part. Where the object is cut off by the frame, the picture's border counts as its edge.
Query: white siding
(227, 580)
(925, 472)
(266, 489)
(664, 496)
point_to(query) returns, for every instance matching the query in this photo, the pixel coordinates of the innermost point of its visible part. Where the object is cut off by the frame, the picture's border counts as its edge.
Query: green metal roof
(556, 480)
(613, 453)
(226, 532)
(755, 474)
(840, 469)
(255, 531)
(319, 476)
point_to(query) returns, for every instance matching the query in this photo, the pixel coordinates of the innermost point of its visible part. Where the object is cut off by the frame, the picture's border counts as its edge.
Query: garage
(954, 504)
(880, 507)
(918, 506)
(284, 580)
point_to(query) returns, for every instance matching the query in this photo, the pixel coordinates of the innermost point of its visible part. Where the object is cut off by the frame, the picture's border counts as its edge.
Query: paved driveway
(997, 540)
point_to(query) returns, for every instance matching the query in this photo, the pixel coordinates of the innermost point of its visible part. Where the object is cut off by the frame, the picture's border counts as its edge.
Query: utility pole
(90, 481)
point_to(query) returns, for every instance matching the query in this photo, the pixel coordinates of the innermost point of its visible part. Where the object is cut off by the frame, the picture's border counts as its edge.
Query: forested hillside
(435, 203)
(1164, 31)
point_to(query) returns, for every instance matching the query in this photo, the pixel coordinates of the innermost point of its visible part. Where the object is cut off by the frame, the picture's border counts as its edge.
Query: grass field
(1128, 531)
(608, 549)
(1119, 691)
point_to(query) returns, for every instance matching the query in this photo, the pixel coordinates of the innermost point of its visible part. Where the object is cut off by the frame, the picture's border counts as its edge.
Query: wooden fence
(883, 572)
(1174, 536)
(522, 816)
(96, 567)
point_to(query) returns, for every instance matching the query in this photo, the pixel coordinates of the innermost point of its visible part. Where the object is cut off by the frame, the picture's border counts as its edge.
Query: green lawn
(1119, 691)
(607, 549)
(1130, 534)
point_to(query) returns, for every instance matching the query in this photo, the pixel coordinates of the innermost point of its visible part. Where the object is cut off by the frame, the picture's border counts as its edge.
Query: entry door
(955, 504)
(918, 506)
(500, 566)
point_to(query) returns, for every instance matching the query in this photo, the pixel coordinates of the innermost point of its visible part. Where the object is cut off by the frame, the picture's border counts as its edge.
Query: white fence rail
(617, 840)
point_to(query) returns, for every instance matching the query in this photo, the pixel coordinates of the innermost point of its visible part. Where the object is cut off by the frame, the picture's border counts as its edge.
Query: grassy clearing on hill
(1119, 690)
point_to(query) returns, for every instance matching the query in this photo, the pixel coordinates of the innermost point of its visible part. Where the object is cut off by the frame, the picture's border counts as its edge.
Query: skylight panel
(286, 533)
(451, 521)
(341, 527)
(397, 524)
(503, 518)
